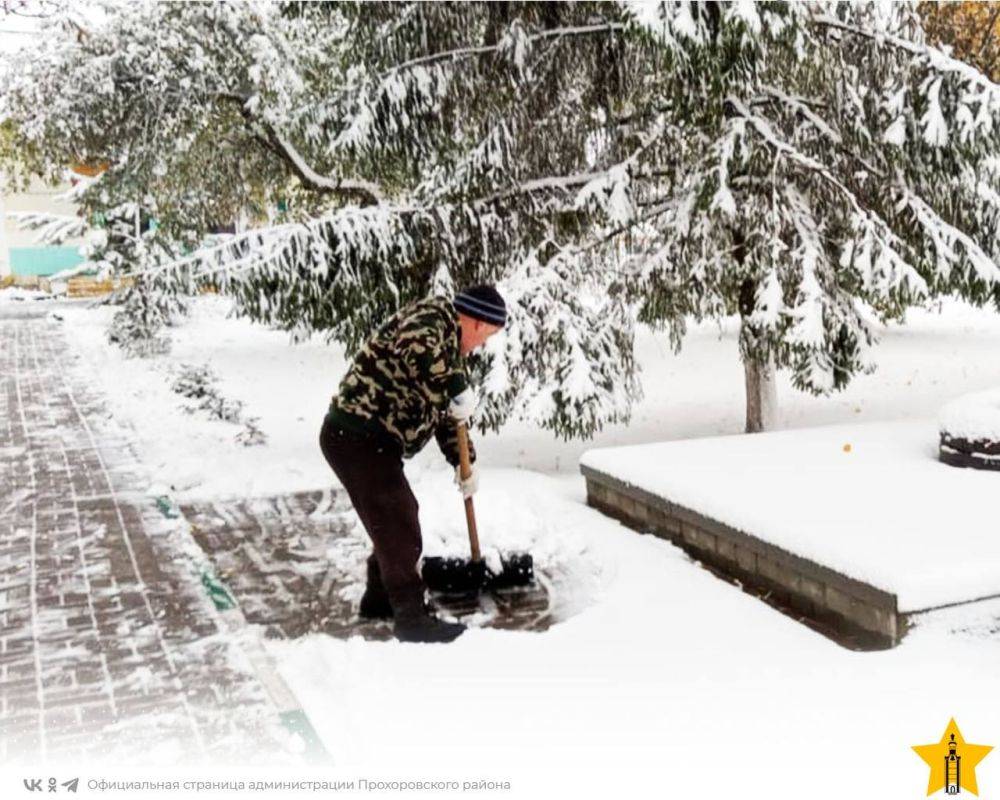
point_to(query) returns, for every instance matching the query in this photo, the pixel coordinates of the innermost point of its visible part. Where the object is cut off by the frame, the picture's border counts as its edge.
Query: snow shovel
(470, 576)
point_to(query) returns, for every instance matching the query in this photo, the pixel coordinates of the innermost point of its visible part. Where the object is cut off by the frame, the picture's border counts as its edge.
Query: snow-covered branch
(868, 225)
(978, 103)
(552, 183)
(52, 228)
(367, 190)
(947, 240)
(468, 52)
(767, 133)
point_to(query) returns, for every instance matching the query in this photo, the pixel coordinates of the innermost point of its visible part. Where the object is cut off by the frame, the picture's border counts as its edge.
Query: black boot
(375, 604)
(415, 623)
(375, 601)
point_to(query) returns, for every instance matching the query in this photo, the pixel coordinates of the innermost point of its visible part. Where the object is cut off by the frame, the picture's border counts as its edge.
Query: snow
(869, 501)
(608, 190)
(658, 671)
(723, 200)
(974, 417)
(15, 294)
(935, 127)
(289, 388)
(745, 11)
(668, 667)
(895, 134)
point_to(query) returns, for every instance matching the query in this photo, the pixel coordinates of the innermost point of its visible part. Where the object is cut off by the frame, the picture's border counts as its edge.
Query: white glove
(470, 485)
(463, 406)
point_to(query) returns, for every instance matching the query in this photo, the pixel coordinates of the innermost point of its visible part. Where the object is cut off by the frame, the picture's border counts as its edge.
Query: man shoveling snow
(405, 385)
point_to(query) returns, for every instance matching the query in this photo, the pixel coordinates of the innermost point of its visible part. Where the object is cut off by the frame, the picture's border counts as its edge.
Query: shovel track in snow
(295, 565)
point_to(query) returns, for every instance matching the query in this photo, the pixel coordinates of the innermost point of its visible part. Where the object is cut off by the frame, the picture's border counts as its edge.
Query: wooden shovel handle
(465, 470)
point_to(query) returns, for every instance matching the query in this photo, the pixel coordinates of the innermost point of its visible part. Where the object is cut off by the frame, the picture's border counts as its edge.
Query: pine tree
(820, 167)
(811, 167)
(416, 147)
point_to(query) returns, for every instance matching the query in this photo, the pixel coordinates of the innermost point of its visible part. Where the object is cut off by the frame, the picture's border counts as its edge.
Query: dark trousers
(371, 470)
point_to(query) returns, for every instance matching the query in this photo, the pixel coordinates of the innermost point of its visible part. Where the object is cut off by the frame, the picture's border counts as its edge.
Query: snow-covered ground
(935, 358)
(662, 679)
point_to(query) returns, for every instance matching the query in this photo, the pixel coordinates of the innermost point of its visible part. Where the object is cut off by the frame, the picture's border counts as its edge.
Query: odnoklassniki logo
(953, 762)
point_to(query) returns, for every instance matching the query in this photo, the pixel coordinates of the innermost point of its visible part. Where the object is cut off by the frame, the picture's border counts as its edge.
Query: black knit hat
(483, 303)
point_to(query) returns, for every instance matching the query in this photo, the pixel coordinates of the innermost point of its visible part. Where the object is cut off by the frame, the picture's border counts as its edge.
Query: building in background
(20, 251)
(4, 250)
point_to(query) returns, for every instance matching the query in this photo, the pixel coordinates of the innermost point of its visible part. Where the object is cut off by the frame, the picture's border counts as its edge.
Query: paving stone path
(109, 646)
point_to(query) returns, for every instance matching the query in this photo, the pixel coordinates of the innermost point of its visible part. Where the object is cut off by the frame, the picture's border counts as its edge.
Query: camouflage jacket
(403, 379)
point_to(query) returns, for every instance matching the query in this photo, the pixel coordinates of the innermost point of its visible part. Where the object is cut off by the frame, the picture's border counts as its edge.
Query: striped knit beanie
(483, 303)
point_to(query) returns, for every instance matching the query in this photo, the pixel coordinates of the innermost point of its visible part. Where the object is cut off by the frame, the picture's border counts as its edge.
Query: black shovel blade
(518, 569)
(455, 575)
(465, 576)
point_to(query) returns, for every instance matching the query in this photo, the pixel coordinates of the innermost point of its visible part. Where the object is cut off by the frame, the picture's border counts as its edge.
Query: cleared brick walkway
(109, 647)
(296, 565)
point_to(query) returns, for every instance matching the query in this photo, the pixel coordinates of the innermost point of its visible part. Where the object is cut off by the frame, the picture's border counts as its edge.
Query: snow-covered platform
(860, 525)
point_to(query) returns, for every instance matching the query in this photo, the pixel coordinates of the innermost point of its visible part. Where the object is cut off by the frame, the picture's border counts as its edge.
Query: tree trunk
(761, 392)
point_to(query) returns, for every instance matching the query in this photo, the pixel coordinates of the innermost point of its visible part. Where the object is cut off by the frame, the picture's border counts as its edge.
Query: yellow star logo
(963, 770)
